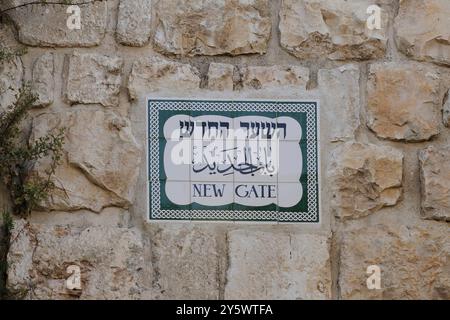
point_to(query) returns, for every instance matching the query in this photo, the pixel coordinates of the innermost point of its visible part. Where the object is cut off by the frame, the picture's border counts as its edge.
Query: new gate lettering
(208, 190)
(256, 191)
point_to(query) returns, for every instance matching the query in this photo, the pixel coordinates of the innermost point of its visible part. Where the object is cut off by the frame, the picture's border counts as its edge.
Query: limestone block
(331, 29)
(45, 25)
(157, 74)
(11, 70)
(43, 83)
(220, 77)
(340, 101)
(422, 30)
(102, 159)
(11, 77)
(94, 78)
(364, 178)
(414, 262)
(134, 22)
(403, 101)
(187, 263)
(211, 27)
(259, 77)
(266, 265)
(435, 181)
(111, 261)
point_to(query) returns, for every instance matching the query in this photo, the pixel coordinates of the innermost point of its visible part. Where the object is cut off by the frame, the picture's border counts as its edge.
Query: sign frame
(312, 110)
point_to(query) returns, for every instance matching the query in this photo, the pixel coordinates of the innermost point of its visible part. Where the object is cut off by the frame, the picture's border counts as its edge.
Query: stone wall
(384, 141)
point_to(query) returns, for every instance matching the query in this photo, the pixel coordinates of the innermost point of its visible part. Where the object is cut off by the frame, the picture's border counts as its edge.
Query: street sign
(233, 160)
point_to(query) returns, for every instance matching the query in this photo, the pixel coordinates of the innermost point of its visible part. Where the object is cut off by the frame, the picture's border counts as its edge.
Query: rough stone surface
(364, 178)
(422, 30)
(435, 180)
(46, 25)
(95, 175)
(340, 100)
(157, 74)
(446, 110)
(110, 259)
(134, 22)
(220, 77)
(43, 83)
(414, 262)
(186, 27)
(403, 101)
(278, 266)
(256, 77)
(11, 77)
(382, 97)
(11, 72)
(186, 263)
(333, 29)
(94, 78)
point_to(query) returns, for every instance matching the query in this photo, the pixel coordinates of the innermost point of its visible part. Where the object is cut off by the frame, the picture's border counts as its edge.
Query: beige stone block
(435, 182)
(274, 265)
(364, 178)
(194, 27)
(422, 30)
(414, 262)
(403, 101)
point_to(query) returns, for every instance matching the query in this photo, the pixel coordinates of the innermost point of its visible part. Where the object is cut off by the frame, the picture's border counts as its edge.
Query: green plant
(18, 157)
(5, 233)
(7, 55)
(7, 223)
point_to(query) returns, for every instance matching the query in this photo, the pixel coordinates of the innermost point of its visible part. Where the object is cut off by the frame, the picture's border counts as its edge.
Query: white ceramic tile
(289, 195)
(290, 162)
(177, 160)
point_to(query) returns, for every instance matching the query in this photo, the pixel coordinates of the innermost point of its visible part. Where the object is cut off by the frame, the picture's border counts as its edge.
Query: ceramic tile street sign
(233, 160)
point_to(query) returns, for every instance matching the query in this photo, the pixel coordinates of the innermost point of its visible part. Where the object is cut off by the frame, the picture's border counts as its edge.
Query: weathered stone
(186, 27)
(446, 109)
(111, 261)
(7, 36)
(11, 70)
(43, 84)
(435, 180)
(364, 178)
(95, 175)
(340, 100)
(422, 30)
(186, 263)
(220, 77)
(414, 262)
(256, 77)
(45, 25)
(334, 29)
(266, 265)
(134, 22)
(156, 74)
(11, 77)
(403, 101)
(94, 78)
